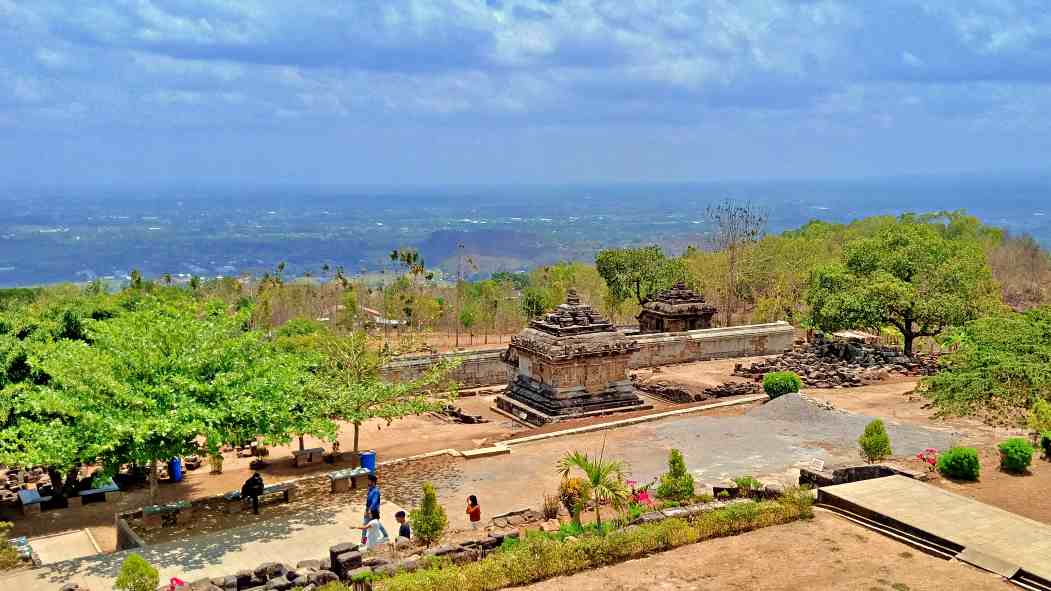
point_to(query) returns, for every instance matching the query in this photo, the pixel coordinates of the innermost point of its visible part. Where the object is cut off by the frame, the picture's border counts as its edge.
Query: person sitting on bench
(252, 488)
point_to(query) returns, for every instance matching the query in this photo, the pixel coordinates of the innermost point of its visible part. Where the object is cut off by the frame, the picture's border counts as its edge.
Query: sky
(519, 91)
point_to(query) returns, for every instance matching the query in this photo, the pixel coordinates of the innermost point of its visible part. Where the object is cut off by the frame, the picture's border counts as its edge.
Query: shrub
(747, 483)
(1045, 443)
(1015, 455)
(573, 493)
(9, 557)
(136, 575)
(550, 506)
(960, 463)
(428, 520)
(929, 457)
(1039, 419)
(779, 383)
(677, 483)
(874, 442)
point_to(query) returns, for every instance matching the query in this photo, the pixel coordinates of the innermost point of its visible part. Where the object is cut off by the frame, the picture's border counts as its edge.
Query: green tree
(908, 275)
(637, 273)
(144, 384)
(428, 520)
(677, 483)
(605, 480)
(353, 390)
(136, 575)
(874, 442)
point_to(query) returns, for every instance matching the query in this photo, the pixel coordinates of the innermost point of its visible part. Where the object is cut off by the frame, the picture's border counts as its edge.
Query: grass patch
(542, 556)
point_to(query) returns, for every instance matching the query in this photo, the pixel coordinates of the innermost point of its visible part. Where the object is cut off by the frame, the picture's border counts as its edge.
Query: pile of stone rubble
(681, 393)
(841, 364)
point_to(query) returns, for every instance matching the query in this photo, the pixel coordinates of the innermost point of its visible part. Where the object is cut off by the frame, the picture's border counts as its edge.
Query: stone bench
(153, 516)
(32, 502)
(302, 457)
(95, 495)
(347, 479)
(234, 502)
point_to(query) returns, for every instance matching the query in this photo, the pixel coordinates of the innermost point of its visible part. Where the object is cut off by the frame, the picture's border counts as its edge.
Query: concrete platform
(64, 546)
(1010, 545)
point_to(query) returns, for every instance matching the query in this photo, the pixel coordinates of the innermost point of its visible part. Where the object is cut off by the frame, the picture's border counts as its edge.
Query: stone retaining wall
(486, 368)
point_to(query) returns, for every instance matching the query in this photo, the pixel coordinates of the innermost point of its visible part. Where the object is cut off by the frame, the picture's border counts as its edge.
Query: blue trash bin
(368, 460)
(175, 469)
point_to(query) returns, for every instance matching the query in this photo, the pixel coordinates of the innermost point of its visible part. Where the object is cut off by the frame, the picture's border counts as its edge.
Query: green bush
(677, 483)
(960, 463)
(9, 557)
(779, 383)
(747, 483)
(136, 575)
(1039, 419)
(539, 557)
(874, 442)
(573, 492)
(1045, 443)
(428, 520)
(1015, 455)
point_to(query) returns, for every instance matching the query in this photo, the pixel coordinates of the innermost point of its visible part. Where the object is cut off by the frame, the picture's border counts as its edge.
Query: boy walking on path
(372, 506)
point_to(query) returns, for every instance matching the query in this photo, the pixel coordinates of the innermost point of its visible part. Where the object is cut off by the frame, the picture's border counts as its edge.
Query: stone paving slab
(64, 546)
(288, 540)
(1003, 538)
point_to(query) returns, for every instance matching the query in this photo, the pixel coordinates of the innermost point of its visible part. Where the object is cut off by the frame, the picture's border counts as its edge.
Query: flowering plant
(929, 457)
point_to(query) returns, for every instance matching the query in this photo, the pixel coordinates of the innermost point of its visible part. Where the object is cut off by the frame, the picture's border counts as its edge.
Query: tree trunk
(908, 338)
(153, 480)
(301, 446)
(598, 517)
(357, 427)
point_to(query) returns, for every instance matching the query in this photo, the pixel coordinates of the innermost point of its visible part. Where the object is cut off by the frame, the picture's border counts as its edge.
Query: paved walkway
(289, 540)
(983, 530)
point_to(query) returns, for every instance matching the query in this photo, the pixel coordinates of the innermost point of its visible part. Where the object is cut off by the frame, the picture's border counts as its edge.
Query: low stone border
(843, 474)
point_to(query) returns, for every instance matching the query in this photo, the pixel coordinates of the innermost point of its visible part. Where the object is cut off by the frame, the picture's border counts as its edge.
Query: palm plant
(605, 479)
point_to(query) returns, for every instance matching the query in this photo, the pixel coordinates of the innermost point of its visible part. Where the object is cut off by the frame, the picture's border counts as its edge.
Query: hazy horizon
(423, 93)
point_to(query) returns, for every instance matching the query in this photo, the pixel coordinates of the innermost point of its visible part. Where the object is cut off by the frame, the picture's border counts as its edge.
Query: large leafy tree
(148, 384)
(351, 387)
(637, 273)
(909, 274)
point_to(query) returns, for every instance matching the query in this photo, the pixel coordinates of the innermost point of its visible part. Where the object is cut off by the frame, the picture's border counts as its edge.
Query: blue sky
(519, 91)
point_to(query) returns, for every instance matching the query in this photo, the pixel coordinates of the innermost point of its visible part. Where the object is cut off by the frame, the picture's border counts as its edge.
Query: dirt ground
(826, 553)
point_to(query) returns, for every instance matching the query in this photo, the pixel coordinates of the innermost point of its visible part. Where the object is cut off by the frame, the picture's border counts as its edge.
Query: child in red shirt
(474, 511)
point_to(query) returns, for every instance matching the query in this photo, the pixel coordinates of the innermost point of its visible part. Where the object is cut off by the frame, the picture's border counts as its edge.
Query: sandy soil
(826, 553)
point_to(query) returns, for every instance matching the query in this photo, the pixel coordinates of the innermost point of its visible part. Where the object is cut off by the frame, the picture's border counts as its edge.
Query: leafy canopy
(637, 273)
(913, 275)
(1001, 369)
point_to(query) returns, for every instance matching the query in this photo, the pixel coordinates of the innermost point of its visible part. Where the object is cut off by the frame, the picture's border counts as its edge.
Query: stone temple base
(534, 403)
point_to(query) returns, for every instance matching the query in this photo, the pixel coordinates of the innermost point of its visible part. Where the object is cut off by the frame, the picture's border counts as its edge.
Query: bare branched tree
(735, 225)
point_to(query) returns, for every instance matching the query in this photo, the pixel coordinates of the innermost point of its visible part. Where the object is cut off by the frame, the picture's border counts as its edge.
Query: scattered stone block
(279, 584)
(358, 572)
(551, 525)
(346, 562)
(322, 578)
(269, 570)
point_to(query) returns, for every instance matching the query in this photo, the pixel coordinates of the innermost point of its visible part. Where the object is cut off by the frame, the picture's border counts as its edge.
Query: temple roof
(678, 301)
(571, 330)
(572, 318)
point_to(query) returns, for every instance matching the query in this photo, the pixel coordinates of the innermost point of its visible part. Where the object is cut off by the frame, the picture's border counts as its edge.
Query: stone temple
(571, 362)
(676, 310)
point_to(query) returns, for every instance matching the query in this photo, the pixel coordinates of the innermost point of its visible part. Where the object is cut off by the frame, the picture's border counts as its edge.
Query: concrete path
(994, 538)
(64, 546)
(289, 540)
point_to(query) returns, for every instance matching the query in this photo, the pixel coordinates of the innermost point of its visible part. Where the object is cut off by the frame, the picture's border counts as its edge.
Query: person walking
(252, 489)
(373, 534)
(474, 511)
(372, 505)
